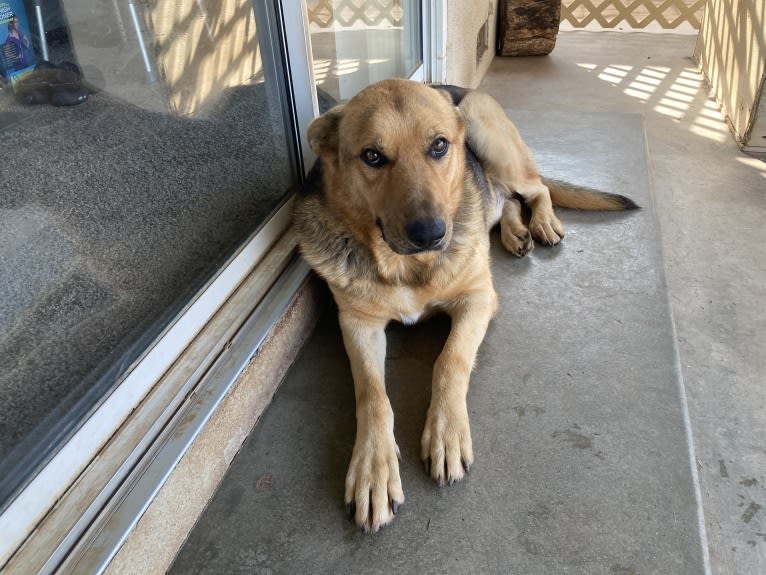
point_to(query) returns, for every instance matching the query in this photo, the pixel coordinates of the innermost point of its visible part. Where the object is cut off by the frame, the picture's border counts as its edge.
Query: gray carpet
(110, 217)
(577, 421)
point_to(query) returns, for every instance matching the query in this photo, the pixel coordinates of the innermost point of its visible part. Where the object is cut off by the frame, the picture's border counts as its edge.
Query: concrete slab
(582, 461)
(711, 205)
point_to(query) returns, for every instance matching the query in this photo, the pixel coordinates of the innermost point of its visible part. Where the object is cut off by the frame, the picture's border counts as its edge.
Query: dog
(395, 216)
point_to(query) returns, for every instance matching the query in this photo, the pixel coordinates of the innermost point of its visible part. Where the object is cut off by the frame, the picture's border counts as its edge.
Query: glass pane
(357, 42)
(142, 143)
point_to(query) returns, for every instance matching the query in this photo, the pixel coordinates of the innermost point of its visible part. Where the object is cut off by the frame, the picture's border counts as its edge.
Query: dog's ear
(323, 132)
(450, 98)
(447, 96)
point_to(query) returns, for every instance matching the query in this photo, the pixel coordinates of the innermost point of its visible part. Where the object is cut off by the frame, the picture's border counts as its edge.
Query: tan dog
(395, 217)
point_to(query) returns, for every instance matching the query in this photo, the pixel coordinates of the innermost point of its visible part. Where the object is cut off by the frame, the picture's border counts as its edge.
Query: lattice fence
(668, 14)
(347, 13)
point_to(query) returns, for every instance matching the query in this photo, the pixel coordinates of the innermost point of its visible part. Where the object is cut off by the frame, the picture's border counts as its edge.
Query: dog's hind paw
(546, 229)
(519, 244)
(373, 486)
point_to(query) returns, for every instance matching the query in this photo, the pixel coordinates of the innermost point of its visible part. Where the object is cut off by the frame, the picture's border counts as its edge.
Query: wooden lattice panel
(347, 13)
(638, 14)
(668, 14)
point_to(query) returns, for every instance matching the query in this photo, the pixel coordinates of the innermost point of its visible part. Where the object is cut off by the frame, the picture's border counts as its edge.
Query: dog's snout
(426, 234)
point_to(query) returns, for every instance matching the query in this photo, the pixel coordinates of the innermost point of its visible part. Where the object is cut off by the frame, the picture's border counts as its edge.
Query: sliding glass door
(176, 143)
(152, 150)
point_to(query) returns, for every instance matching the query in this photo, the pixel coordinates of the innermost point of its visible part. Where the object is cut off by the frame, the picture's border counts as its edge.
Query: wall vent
(482, 41)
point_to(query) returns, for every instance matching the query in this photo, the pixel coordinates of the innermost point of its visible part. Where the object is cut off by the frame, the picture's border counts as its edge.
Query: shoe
(49, 84)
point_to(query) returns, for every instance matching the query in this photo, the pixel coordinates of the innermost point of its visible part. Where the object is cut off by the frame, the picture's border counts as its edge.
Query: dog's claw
(395, 507)
(350, 509)
(548, 233)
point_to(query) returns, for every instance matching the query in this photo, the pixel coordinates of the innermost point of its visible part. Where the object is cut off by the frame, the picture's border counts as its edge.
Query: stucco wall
(731, 49)
(464, 19)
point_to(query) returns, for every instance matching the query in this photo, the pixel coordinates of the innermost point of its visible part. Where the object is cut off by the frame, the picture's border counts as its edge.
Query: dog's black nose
(426, 234)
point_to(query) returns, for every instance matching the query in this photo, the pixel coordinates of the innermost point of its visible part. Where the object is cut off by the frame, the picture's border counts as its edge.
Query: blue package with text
(17, 55)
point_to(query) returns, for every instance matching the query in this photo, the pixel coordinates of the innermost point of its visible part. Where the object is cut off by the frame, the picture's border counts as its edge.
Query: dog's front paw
(373, 487)
(446, 447)
(546, 228)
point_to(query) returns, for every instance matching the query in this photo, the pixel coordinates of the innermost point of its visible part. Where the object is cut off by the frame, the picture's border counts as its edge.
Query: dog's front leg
(373, 487)
(446, 446)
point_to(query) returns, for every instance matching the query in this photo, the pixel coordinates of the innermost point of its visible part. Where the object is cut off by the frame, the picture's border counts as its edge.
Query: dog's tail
(566, 195)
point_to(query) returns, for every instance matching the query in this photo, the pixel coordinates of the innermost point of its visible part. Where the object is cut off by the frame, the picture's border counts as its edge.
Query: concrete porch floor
(710, 201)
(578, 423)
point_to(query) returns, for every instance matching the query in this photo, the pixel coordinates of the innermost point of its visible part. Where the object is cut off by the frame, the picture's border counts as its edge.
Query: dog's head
(394, 160)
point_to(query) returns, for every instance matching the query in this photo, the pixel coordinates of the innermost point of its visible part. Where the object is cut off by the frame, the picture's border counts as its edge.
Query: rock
(528, 27)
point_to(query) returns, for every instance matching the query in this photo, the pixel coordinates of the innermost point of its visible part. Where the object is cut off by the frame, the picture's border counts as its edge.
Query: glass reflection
(142, 143)
(356, 43)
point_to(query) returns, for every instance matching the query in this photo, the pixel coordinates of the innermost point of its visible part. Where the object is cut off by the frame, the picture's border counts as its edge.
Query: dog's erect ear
(453, 96)
(323, 132)
(447, 96)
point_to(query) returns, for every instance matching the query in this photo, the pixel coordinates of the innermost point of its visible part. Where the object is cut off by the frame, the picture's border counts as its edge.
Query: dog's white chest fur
(411, 310)
(409, 318)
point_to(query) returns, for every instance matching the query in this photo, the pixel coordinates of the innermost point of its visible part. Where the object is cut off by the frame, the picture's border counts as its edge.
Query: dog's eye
(439, 147)
(373, 157)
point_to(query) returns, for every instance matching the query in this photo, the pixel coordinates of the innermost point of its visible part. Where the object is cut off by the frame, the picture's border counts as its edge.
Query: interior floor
(609, 355)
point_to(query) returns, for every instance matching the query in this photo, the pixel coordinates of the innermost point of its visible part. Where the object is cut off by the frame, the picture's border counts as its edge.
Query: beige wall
(731, 49)
(464, 19)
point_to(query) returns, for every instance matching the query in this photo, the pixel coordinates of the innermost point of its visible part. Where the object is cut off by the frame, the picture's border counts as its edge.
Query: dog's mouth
(418, 236)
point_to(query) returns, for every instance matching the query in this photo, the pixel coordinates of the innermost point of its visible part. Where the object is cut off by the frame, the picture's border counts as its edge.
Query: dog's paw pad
(519, 244)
